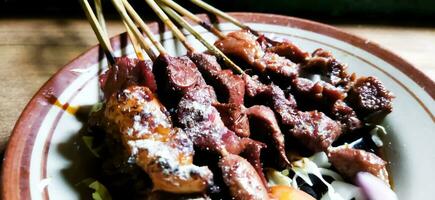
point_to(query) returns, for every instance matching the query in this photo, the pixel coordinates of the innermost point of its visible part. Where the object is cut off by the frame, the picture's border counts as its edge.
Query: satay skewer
(143, 26)
(223, 15)
(99, 32)
(193, 17)
(197, 35)
(133, 28)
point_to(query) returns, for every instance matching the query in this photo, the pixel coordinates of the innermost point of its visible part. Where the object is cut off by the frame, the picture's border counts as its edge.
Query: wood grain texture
(32, 50)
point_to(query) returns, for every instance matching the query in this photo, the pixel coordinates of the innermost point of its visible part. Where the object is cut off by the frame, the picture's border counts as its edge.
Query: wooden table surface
(32, 50)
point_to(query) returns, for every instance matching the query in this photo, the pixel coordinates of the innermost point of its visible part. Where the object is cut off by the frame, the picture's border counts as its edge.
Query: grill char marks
(141, 124)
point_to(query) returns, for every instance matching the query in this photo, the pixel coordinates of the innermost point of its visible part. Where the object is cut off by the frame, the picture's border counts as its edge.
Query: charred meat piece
(243, 45)
(253, 86)
(327, 98)
(230, 88)
(263, 123)
(127, 72)
(203, 124)
(284, 106)
(350, 161)
(319, 92)
(242, 179)
(234, 117)
(315, 130)
(252, 153)
(289, 50)
(240, 44)
(369, 96)
(136, 118)
(175, 76)
(322, 62)
(346, 116)
(280, 69)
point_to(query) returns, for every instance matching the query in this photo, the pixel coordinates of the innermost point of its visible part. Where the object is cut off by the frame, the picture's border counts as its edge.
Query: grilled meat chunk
(369, 96)
(287, 49)
(230, 88)
(315, 130)
(202, 122)
(252, 154)
(234, 117)
(175, 76)
(242, 179)
(242, 45)
(127, 72)
(346, 116)
(264, 125)
(136, 118)
(322, 62)
(319, 92)
(350, 161)
(280, 69)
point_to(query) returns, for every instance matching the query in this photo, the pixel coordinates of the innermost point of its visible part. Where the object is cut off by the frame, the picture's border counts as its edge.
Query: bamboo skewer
(193, 17)
(143, 27)
(225, 16)
(198, 36)
(102, 38)
(144, 43)
(100, 16)
(170, 24)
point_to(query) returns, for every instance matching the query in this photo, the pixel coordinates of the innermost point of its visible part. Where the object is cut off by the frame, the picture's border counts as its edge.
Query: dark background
(401, 12)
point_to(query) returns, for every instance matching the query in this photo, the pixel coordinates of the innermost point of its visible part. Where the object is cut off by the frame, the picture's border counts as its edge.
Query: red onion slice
(374, 188)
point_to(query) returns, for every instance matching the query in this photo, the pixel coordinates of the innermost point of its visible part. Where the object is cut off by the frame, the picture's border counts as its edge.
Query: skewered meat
(263, 122)
(164, 195)
(202, 122)
(253, 86)
(175, 76)
(244, 46)
(324, 63)
(252, 153)
(242, 179)
(284, 48)
(229, 87)
(319, 92)
(350, 161)
(280, 69)
(234, 117)
(369, 96)
(315, 130)
(137, 118)
(346, 116)
(127, 72)
(327, 98)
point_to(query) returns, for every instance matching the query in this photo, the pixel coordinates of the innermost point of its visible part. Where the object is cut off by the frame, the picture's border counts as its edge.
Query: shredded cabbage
(100, 191)
(89, 140)
(316, 165)
(375, 135)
